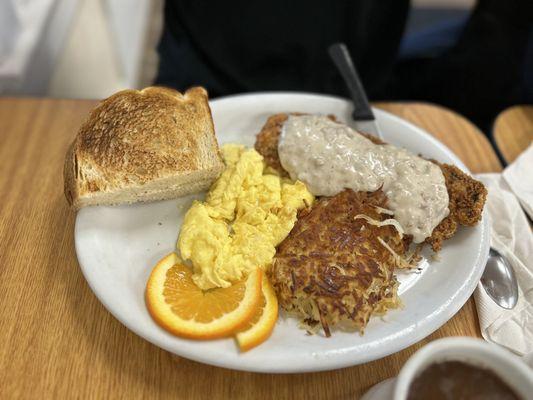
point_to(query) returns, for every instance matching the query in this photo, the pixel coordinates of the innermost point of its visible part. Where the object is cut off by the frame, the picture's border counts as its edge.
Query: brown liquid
(454, 380)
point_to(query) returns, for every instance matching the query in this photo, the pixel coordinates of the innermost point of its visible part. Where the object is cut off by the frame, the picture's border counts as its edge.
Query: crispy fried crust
(332, 268)
(467, 196)
(266, 142)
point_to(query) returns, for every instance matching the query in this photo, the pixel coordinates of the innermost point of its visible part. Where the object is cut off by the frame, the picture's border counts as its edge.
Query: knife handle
(341, 57)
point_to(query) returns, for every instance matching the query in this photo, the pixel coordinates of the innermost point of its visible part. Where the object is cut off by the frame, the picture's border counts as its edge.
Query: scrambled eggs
(247, 213)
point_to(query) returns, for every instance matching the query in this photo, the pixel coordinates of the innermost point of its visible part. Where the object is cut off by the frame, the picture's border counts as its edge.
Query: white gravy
(329, 157)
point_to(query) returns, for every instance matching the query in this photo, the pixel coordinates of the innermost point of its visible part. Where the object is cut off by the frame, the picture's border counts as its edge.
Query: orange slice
(180, 307)
(259, 328)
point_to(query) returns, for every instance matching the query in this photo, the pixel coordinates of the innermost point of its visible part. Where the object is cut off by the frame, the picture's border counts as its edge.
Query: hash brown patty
(332, 268)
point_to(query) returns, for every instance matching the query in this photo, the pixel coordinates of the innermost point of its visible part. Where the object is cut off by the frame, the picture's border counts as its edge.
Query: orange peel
(179, 306)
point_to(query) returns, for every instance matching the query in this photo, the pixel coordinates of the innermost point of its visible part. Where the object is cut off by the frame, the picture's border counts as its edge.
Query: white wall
(33, 33)
(111, 46)
(77, 48)
(88, 66)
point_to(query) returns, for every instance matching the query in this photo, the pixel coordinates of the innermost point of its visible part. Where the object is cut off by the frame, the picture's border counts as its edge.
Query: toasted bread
(147, 145)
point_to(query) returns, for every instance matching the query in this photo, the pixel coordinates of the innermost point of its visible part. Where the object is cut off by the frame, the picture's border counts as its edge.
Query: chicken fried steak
(466, 195)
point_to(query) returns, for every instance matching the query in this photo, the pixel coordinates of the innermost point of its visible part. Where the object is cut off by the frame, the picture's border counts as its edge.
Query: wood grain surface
(58, 342)
(513, 131)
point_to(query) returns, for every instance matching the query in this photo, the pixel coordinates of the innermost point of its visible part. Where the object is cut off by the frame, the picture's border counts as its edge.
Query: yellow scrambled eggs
(247, 213)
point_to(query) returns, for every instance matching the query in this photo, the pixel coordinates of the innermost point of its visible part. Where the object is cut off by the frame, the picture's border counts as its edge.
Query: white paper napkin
(519, 177)
(511, 236)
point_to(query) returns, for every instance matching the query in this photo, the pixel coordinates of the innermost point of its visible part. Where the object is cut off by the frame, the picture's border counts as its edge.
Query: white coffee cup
(503, 363)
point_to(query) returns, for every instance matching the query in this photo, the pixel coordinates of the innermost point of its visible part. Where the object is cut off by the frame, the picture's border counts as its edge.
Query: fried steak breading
(467, 196)
(333, 268)
(266, 142)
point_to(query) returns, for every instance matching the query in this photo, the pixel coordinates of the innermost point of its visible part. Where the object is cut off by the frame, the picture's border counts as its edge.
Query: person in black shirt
(242, 46)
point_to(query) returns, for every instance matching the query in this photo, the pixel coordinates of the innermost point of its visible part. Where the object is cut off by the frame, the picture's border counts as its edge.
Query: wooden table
(58, 341)
(513, 131)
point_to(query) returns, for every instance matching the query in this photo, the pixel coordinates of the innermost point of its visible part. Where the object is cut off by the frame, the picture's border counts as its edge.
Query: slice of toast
(147, 145)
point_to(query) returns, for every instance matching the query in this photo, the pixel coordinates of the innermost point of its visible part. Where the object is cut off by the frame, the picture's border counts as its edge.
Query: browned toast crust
(135, 137)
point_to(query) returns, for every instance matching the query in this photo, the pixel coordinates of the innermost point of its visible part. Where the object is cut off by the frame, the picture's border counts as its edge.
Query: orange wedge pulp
(180, 307)
(259, 328)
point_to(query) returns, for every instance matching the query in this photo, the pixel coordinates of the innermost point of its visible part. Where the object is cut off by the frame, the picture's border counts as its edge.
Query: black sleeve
(483, 73)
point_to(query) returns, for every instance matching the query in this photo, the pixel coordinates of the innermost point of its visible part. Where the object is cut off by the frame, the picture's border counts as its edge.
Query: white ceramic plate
(118, 246)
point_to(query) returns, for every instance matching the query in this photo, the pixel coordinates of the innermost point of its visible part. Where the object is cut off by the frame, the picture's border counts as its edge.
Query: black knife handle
(341, 57)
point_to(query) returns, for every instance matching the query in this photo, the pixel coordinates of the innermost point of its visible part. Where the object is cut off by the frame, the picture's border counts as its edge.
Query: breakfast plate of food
(262, 232)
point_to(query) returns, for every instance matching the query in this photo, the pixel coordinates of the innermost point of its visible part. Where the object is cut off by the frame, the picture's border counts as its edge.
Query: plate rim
(343, 360)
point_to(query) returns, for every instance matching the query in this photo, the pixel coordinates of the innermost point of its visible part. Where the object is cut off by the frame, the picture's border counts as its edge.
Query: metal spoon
(499, 280)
